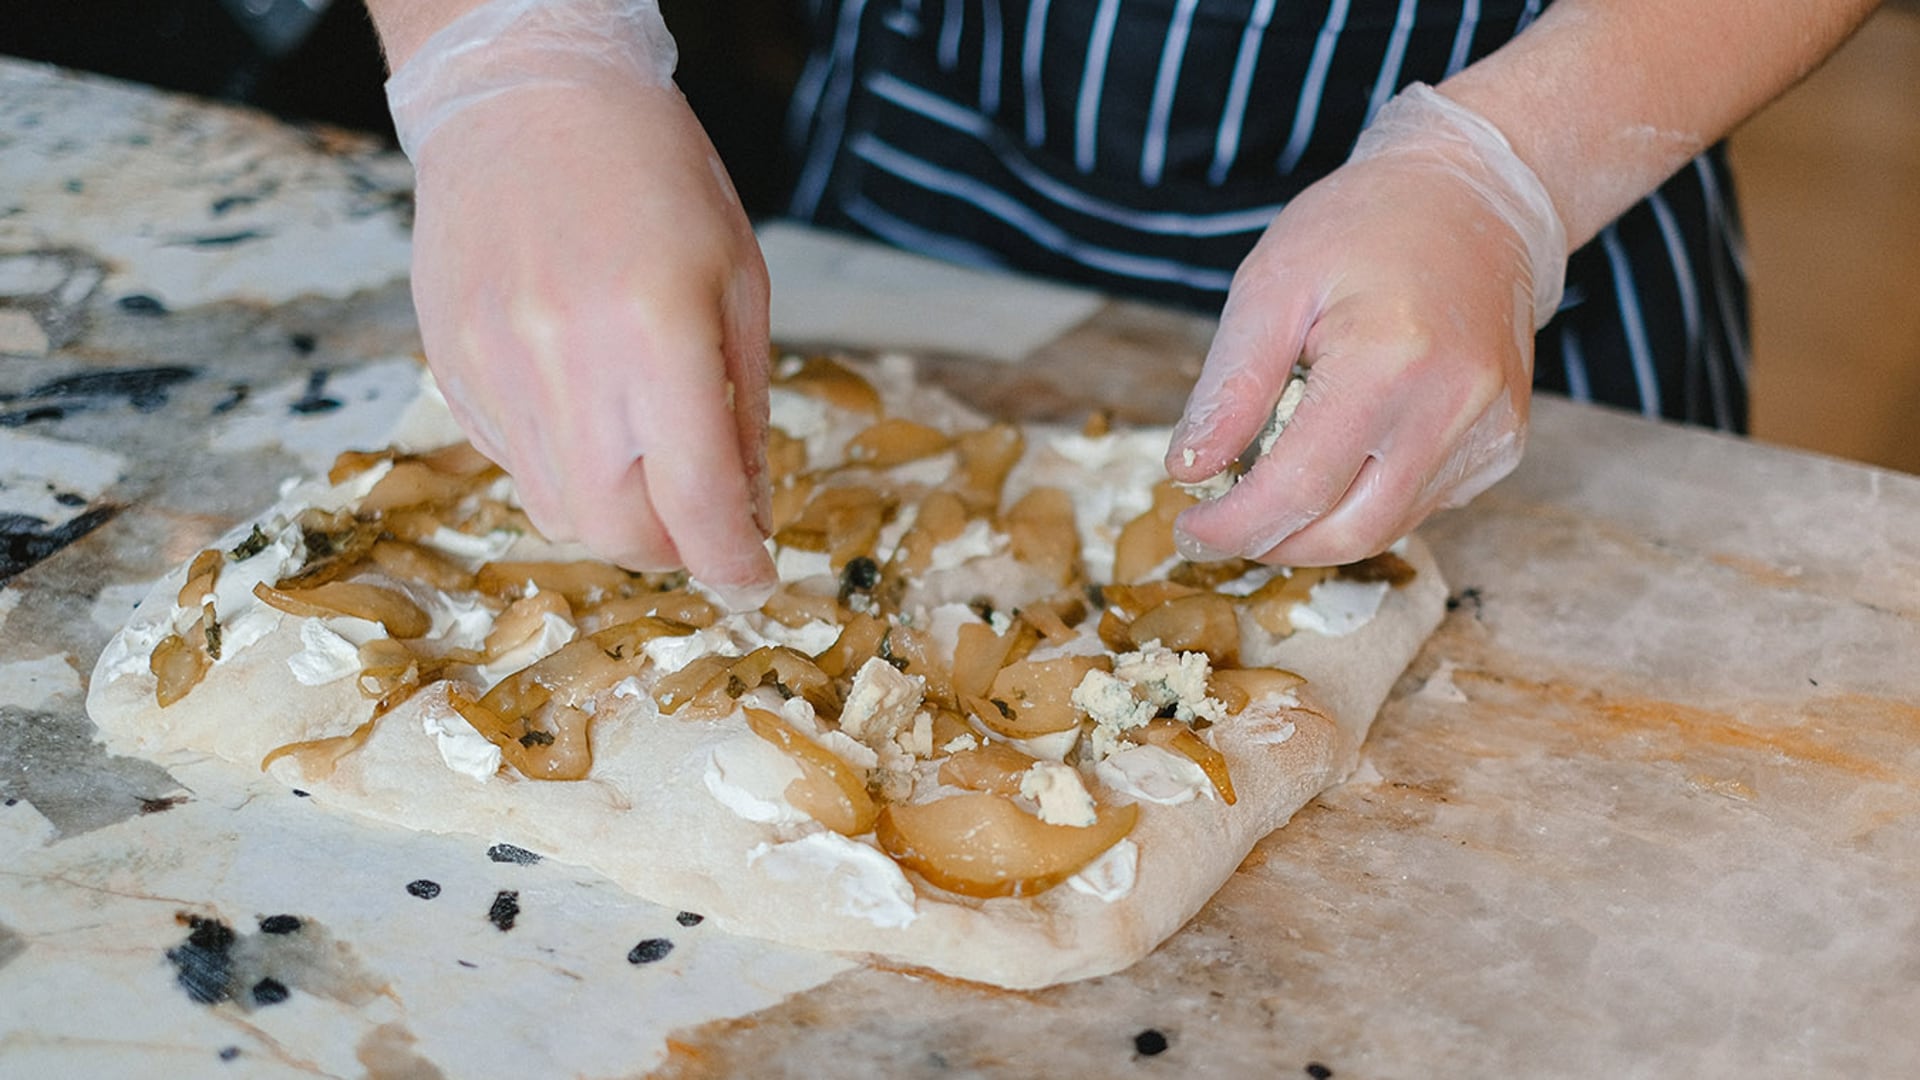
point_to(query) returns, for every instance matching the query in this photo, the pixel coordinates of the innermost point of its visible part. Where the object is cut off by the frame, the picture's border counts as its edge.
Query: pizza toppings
(982, 845)
(982, 675)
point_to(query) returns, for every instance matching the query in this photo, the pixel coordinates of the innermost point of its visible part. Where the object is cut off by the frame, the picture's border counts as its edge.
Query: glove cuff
(506, 45)
(1420, 119)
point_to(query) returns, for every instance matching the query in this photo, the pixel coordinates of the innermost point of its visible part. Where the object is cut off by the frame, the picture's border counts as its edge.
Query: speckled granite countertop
(1648, 804)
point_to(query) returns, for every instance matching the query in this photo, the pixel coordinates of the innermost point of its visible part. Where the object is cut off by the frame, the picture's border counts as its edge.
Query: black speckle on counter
(220, 240)
(279, 924)
(225, 203)
(314, 401)
(270, 992)
(1469, 598)
(141, 304)
(145, 388)
(228, 1053)
(505, 909)
(689, 918)
(162, 805)
(424, 889)
(649, 951)
(303, 343)
(1150, 1043)
(298, 794)
(1318, 1071)
(76, 186)
(468, 964)
(69, 498)
(236, 393)
(12, 800)
(203, 964)
(33, 415)
(508, 853)
(25, 540)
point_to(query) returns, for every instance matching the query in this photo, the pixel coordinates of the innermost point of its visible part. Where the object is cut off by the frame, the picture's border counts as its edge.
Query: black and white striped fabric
(1142, 146)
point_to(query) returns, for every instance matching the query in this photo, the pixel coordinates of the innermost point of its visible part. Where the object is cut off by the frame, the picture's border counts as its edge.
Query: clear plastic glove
(591, 297)
(1409, 282)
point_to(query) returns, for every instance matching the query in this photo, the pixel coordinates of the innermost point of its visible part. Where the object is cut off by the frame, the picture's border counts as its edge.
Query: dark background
(738, 63)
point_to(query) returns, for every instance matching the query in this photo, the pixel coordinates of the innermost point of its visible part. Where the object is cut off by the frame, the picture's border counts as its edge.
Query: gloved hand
(591, 297)
(1409, 282)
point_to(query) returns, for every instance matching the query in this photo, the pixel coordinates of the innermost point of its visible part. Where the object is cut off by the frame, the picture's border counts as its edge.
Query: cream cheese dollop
(1336, 608)
(1153, 775)
(749, 776)
(462, 748)
(324, 655)
(866, 883)
(1109, 877)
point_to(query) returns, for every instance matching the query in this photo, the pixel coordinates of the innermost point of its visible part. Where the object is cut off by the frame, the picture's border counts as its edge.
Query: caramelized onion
(318, 758)
(583, 583)
(178, 667)
(983, 845)
(400, 616)
(202, 574)
(704, 677)
(522, 622)
(412, 483)
(411, 562)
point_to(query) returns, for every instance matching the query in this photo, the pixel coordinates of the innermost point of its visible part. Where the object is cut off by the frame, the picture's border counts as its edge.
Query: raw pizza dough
(648, 815)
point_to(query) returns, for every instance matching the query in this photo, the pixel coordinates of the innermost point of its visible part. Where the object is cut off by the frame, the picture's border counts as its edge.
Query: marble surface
(1648, 803)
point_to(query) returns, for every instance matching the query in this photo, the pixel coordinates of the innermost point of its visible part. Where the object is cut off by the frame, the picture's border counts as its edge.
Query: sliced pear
(1031, 698)
(829, 790)
(1043, 535)
(983, 845)
(896, 442)
(1271, 605)
(1147, 541)
(1179, 738)
(1203, 622)
(1236, 688)
(994, 767)
(828, 380)
(942, 517)
(987, 455)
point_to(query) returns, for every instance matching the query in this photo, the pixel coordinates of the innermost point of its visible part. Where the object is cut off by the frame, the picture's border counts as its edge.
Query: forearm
(405, 25)
(1607, 98)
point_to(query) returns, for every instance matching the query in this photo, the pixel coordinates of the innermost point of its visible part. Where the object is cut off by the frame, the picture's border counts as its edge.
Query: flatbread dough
(648, 816)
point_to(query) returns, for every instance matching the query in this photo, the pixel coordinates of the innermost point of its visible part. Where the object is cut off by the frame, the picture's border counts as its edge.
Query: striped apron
(1141, 146)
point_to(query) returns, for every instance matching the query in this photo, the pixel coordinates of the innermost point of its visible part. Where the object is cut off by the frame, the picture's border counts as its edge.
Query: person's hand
(1409, 283)
(591, 297)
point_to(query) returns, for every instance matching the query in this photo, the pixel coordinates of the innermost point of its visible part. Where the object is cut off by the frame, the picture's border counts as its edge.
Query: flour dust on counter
(153, 950)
